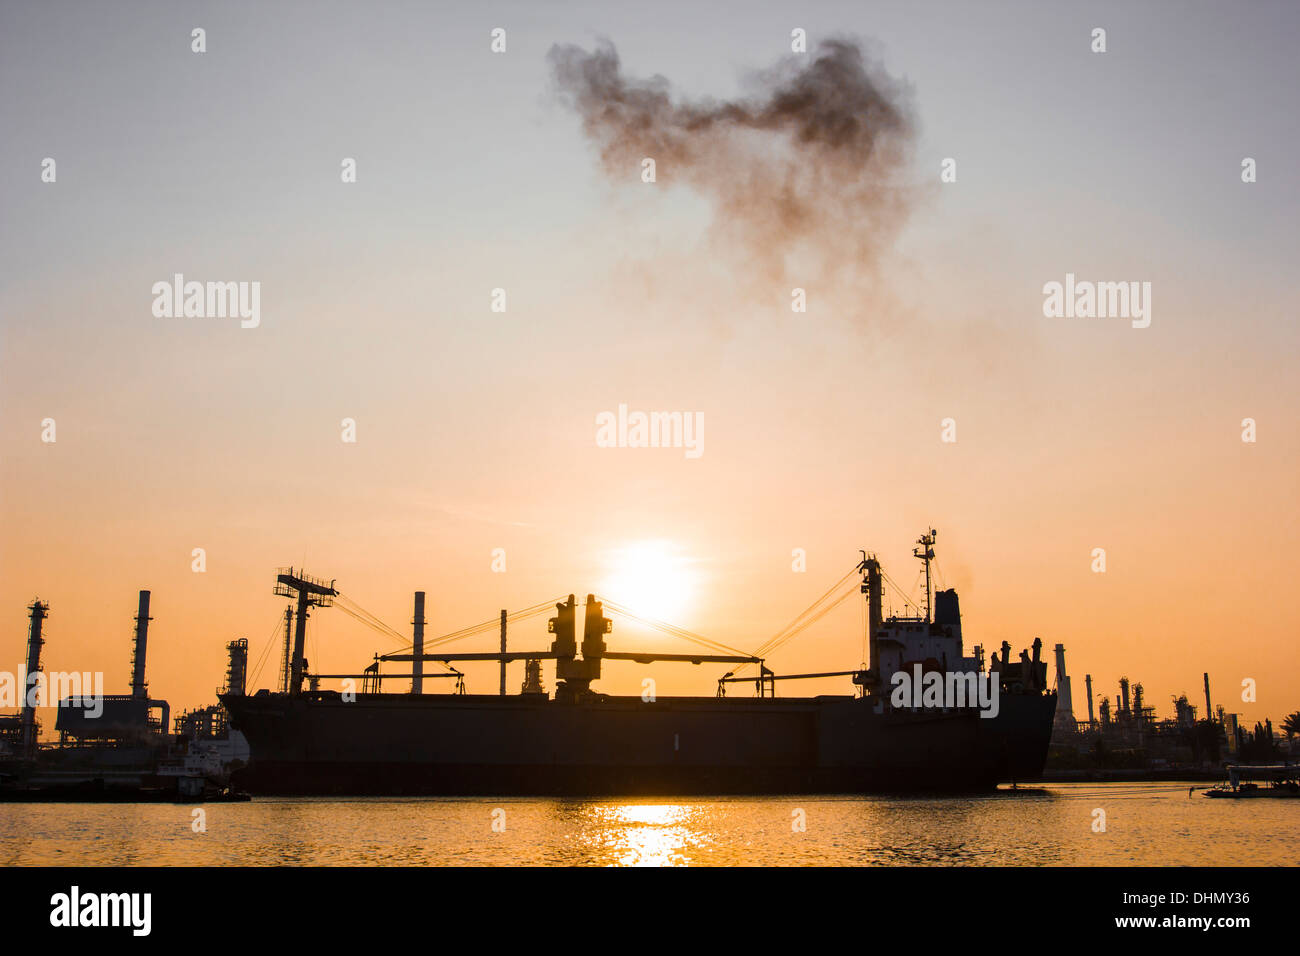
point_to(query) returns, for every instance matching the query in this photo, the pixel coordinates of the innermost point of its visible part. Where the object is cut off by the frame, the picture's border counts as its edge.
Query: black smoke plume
(805, 174)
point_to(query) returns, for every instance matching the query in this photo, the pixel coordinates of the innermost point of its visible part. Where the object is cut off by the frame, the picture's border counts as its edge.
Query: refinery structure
(1127, 736)
(115, 746)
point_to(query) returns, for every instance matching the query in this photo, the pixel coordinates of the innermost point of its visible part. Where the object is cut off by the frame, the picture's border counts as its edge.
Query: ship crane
(310, 592)
(576, 673)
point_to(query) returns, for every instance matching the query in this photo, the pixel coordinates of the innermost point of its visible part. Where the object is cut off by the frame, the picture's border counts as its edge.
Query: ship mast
(926, 554)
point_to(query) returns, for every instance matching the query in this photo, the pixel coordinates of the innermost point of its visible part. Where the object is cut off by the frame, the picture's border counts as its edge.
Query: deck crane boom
(310, 592)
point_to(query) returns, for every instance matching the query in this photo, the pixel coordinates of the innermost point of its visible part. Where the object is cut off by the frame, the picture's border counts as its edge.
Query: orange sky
(476, 429)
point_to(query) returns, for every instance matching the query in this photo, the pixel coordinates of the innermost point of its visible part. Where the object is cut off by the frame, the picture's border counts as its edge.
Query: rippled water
(1146, 824)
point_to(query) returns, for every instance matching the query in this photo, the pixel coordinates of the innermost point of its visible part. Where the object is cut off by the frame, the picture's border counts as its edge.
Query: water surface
(1145, 824)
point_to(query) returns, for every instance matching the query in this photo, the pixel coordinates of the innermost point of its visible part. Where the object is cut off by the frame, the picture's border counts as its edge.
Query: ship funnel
(947, 608)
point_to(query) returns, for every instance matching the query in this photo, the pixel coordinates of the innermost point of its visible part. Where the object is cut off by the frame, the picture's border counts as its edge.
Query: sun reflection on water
(643, 834)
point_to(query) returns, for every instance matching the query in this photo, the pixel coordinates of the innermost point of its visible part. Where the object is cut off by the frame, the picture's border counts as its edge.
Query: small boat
(1267, 780)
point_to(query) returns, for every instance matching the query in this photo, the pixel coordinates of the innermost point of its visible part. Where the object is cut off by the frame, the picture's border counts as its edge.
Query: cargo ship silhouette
(578, 741)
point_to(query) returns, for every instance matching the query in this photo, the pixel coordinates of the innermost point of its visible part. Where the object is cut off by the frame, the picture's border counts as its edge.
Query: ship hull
(468, 745)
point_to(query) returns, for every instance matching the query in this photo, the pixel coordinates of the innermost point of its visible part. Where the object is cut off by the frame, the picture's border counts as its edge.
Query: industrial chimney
(39, 611)
(1064, 697)
(1209, 713)
(237, 669)
(138, 689)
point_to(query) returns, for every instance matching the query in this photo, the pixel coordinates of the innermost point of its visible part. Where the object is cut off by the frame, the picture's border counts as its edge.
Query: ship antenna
(926, 541)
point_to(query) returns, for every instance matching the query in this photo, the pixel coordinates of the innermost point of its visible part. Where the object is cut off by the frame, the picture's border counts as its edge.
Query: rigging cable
(674, 631)
(809, 616)
(798, 623)
(261, 661)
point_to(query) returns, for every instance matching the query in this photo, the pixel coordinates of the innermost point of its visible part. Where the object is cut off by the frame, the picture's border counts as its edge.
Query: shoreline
(1104, 775)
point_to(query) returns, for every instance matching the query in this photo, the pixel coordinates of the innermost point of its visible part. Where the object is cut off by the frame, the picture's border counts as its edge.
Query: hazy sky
(475, 429)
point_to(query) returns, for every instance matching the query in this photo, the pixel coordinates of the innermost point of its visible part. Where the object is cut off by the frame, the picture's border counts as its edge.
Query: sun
(650, 578)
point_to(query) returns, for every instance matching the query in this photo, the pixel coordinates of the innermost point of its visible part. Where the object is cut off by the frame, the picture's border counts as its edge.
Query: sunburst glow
(651, 578)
